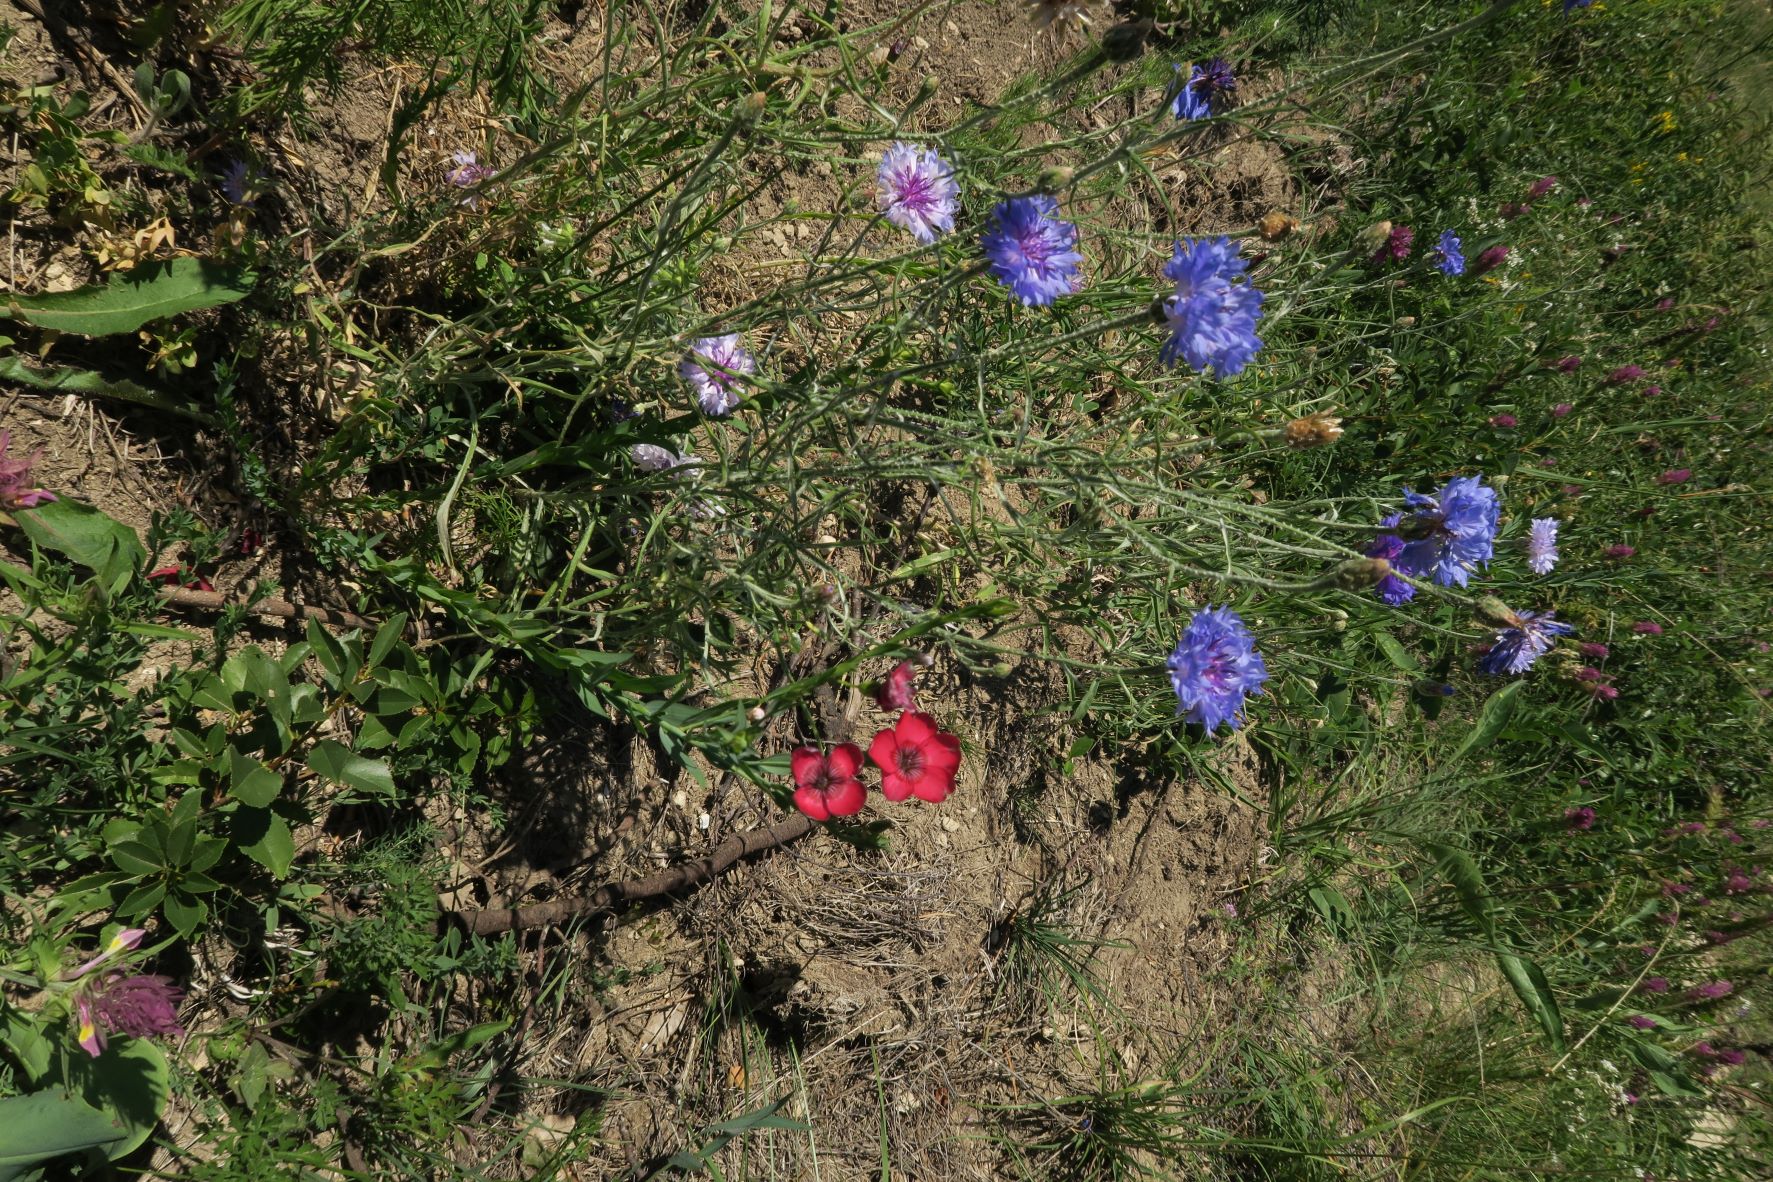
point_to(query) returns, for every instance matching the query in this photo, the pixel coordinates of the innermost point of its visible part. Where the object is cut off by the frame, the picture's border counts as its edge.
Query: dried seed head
(1277, 225)
(1357, 574)
(1375, 236)
(1051, 180)
(1314, 430)
(757, 714)
(1496, 612)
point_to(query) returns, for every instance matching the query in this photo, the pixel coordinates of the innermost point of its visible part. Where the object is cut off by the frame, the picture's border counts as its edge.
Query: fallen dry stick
(495, 920)
(215, 601)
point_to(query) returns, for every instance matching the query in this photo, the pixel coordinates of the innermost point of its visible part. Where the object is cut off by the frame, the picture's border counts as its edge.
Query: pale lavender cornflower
(1522, 642)
(467, 173)
(715, 369)
(15, 492)
(1212, 316)
(1215, 667)
(917, 191)
(1542, 545)
(1031, 250)
(650, 457)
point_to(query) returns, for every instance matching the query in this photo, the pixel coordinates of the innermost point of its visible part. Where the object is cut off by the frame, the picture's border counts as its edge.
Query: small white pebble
(703, 821)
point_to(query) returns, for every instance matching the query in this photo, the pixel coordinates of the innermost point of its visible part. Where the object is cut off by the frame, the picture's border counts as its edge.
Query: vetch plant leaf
(106, 547)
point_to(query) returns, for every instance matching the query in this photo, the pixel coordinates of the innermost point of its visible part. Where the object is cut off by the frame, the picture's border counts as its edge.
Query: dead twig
(734, 849)
(214, 601)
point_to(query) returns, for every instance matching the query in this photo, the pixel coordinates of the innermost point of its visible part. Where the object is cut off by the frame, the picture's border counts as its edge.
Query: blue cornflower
(916, 191)
(1213, 314)
(715, 369)
(1517, 646)
(1031, 250)
(240, 183)
(1571, 5)
(1200, 97)
(1214, 667)
(1451, 533)
(1447, 256)
(1542, 545)
(1391, 589)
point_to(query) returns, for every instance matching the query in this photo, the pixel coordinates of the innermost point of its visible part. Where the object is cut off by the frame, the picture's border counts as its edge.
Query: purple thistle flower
(1711, 991)
(1579, 820)
(1542, 545)
(1603, 692)
(1541, 187)
(1651, 390)
(138, 1006)
(1517, 646)
(1215, 666)
(1447, 256)
(1505, 421)
(1213, 314)
(1653, 985)
(1621, 551)
(1031, 251)
(1390, 589)
(1396, 246)
(1589, 648)
(1675, 476)
(1205, 92)
(1739, 882)
(715, 369)
(917, 191)
(1647, 628)
(1561, 410)
(1450, 533)
(1625, 373)
(1642, 1021)
(1489, 259)
(14, 490)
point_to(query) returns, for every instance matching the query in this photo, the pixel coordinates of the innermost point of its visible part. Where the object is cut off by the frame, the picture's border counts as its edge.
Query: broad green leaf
(130, 1083)
(106, 547)
(264, 837)
(184, 913)
(80, 381)
(387, 636)
(43, 1126)
(26, 1044)
(1498, 709)
(152, 291)
(340, 764)
(1468, 883)
(251, 782)
(1535, 993)
(1395, 652)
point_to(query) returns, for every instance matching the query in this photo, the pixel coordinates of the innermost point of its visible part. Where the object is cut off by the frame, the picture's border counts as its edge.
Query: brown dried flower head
(1062, 15)
(1277, 225)
(1314, 430)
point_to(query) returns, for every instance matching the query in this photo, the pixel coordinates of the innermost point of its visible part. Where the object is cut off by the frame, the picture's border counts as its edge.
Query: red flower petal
(941, 755)
(847, 796)
(845, 761)
(807, 763)
(813, 803)
(884, 751)
(895, 787)
(934, 786)
(915, 730)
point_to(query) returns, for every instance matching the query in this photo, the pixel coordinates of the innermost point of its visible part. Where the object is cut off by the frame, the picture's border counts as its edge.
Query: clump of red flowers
(915, 757)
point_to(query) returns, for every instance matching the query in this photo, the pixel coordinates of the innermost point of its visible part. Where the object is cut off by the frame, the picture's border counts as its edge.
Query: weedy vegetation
(1039, 590)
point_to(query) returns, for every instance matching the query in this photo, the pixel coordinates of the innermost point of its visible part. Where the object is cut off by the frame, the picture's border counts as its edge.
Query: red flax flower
(915, 759)
(895, 692)
(825, 786)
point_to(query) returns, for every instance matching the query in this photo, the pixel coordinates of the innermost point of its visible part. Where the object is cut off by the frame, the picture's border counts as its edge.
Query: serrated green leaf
(149, 292)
